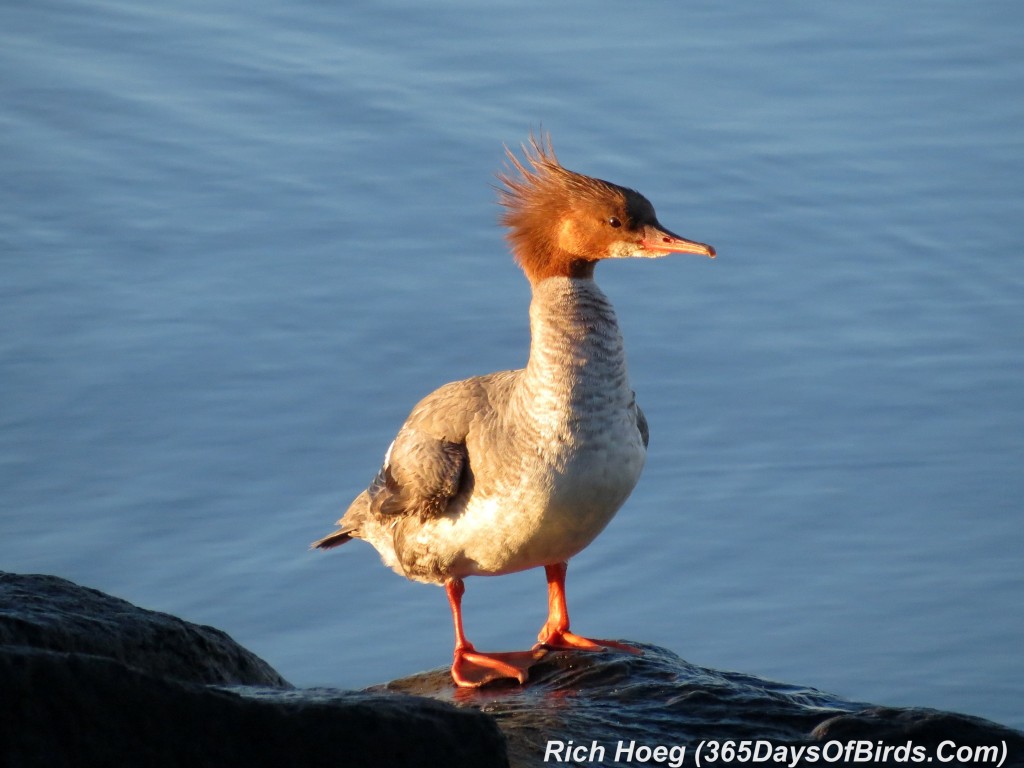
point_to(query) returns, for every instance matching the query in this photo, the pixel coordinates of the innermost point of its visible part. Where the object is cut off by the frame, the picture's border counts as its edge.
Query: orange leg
(470, 668)
(555, 632)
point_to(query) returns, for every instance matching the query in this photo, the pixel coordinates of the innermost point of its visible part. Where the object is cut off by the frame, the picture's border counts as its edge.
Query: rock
(659, 699)
(87, 679)
(922, 726)
(71, 709)
(55, 614)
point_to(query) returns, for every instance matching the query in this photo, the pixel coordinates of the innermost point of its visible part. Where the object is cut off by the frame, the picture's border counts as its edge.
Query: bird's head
(562, 223)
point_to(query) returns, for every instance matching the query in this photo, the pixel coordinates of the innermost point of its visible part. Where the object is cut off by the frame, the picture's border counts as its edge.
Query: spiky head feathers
(561, 222)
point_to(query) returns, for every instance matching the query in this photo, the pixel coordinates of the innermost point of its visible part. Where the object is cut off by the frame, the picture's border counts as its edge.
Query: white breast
(555, 461)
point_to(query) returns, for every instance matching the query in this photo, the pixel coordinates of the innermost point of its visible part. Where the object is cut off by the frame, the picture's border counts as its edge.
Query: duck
(522, 469)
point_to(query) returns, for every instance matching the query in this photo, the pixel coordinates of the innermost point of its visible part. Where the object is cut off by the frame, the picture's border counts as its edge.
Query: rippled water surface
(238, 244)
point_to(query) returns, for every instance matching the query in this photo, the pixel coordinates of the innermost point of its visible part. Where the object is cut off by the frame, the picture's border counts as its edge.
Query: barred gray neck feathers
(576, 377)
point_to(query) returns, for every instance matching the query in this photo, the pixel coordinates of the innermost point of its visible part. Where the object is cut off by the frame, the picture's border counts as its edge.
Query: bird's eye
(615, 222)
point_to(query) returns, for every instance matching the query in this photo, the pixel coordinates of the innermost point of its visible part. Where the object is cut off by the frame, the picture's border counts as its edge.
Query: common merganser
(520, 469)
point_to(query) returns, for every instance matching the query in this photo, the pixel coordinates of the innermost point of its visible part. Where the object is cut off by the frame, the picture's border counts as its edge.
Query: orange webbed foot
(555, 632)
(471, 669)
(555, 638)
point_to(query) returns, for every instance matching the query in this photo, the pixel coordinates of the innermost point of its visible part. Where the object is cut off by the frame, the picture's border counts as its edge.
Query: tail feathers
(348, 525)
(332, 540)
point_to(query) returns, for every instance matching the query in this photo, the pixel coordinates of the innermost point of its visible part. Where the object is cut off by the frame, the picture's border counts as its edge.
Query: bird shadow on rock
(608, 699)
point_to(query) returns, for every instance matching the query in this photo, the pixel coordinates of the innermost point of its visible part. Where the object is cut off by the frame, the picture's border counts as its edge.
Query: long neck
(577, 362)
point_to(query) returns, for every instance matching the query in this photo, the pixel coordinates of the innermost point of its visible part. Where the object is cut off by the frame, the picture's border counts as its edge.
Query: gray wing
(428, 464)
(420, 476)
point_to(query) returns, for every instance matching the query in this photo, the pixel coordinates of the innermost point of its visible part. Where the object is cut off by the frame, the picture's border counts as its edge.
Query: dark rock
(61, 709)
(59, 615)
(87, 679)
(921, 726)
(660, 699)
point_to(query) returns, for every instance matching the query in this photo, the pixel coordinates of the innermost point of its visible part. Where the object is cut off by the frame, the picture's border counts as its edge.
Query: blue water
(239, 242)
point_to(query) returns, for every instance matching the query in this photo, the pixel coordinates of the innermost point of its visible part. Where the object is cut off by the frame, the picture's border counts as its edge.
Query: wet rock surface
(658, 699)
(87, 679)
(51, 613)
